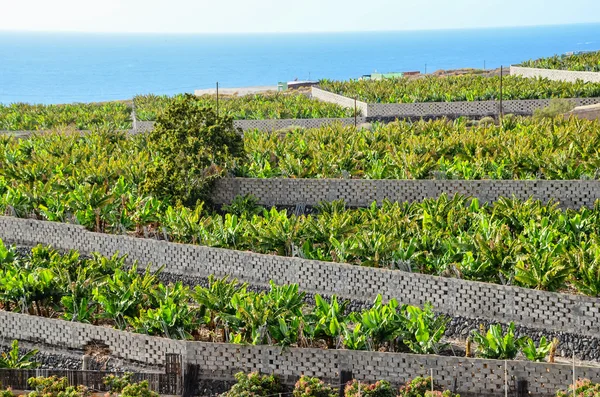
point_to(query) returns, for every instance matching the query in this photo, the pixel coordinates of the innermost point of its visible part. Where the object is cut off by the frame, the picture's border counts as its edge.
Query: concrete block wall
(439, 109)
(71, 335)
(217, 361)
(272, 125)
(362, 192)
(556, 75)
(526, 307)
(341, 100)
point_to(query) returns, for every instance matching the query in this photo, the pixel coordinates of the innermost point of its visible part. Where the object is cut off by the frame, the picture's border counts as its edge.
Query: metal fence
(168, 383)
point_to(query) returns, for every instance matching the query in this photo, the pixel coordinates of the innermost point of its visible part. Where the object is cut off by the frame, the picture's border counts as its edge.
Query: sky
(256, 16)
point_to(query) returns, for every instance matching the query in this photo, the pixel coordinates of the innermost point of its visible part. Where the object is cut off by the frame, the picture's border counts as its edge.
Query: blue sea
(77, 67)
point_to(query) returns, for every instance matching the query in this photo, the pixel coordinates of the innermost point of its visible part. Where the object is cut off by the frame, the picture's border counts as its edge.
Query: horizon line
(298, 32)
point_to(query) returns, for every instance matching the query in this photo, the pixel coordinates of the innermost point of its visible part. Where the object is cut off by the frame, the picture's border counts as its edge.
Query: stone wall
(476, 377)
(557, 75)
(271, 125)
(530, 308)
(439, 109)
(340, 100)
(362, 192)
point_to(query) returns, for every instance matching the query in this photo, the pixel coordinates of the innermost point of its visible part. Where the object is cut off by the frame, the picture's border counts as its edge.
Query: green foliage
(14, 360)
(458, 88)
(248, 107)
(424, 330)
(416, 387)
(82, 116)
(584, 62)
(555, 108)
(55, 387)
(495, 344)
(312, 387)
(583, 387)
(191, 146)
(533, 352)
(140, 389)
(254, 385)
(380, 388)
(520, 148)
(246, 205)
(116, 383)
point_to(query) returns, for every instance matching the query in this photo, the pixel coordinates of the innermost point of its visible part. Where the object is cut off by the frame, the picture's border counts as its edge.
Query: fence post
(355, 112)
(505, 378)
(574, 381)
(431, 374)
(217, 100)
(501, 92)
(345, 377)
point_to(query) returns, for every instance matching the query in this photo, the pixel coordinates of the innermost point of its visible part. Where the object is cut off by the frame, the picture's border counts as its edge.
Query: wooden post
(217, 99)
(431, 373)
(501, 93)
(505, 378)
(355, 112)
(574, 381)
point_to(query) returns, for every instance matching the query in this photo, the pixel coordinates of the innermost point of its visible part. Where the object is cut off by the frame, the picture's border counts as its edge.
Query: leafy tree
(191, 146)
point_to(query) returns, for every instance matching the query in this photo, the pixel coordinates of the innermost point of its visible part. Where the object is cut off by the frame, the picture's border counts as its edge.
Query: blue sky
(220, 16)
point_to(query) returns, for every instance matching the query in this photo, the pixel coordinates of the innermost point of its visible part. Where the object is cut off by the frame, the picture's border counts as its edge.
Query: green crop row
(82, 116)
(102, 290)
(250, 107)
(458, 88)
(585, 62)
(94, 180)
(517, 149)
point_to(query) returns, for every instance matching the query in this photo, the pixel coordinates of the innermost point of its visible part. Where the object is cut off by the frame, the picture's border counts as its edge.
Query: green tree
(190, 147)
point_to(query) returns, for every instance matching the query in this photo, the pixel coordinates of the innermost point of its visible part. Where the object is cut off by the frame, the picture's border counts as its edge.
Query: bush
(380, 388)
(421, 387)
(312, 387)
(55, 387)
(14, 360)
(190, 148)
(556, 107)
(140, 389)
(583, 387)
(116, 384)
(254, 385)
(496, 345)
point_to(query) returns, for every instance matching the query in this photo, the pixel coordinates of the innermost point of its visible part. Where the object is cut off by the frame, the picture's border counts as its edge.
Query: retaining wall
(221, 361)
(362, 192)
(526, 307)
(271, 125)
(440, 109)
(556, 75)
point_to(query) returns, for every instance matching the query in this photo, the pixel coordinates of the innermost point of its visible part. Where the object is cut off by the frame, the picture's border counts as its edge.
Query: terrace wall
(556, 75)
(474, 377)
(362, 192)
(271, 124)
(450, 109)
(526, 307)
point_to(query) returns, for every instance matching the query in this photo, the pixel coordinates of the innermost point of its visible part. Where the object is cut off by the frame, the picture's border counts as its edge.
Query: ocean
(71, 67)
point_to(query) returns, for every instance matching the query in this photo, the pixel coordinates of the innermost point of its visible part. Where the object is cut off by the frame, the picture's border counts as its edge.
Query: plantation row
(586, 62)
(101, 291)
(117, 115)
(250, 107)
(23, 116)
(458, 88)
(521, 148)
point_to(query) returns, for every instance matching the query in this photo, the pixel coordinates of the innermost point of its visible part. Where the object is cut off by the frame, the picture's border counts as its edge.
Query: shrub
(487, 121)
(556, 107)
(254, 385)
(243, 205)
(380, 388)
(421, 387)
(140, 389)
(56, 387)
(14, 360)
(583, 387)
(416, 387)
(191, 147)
(116, 384)
(496, 345)
(539, 352)
(312, 387)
